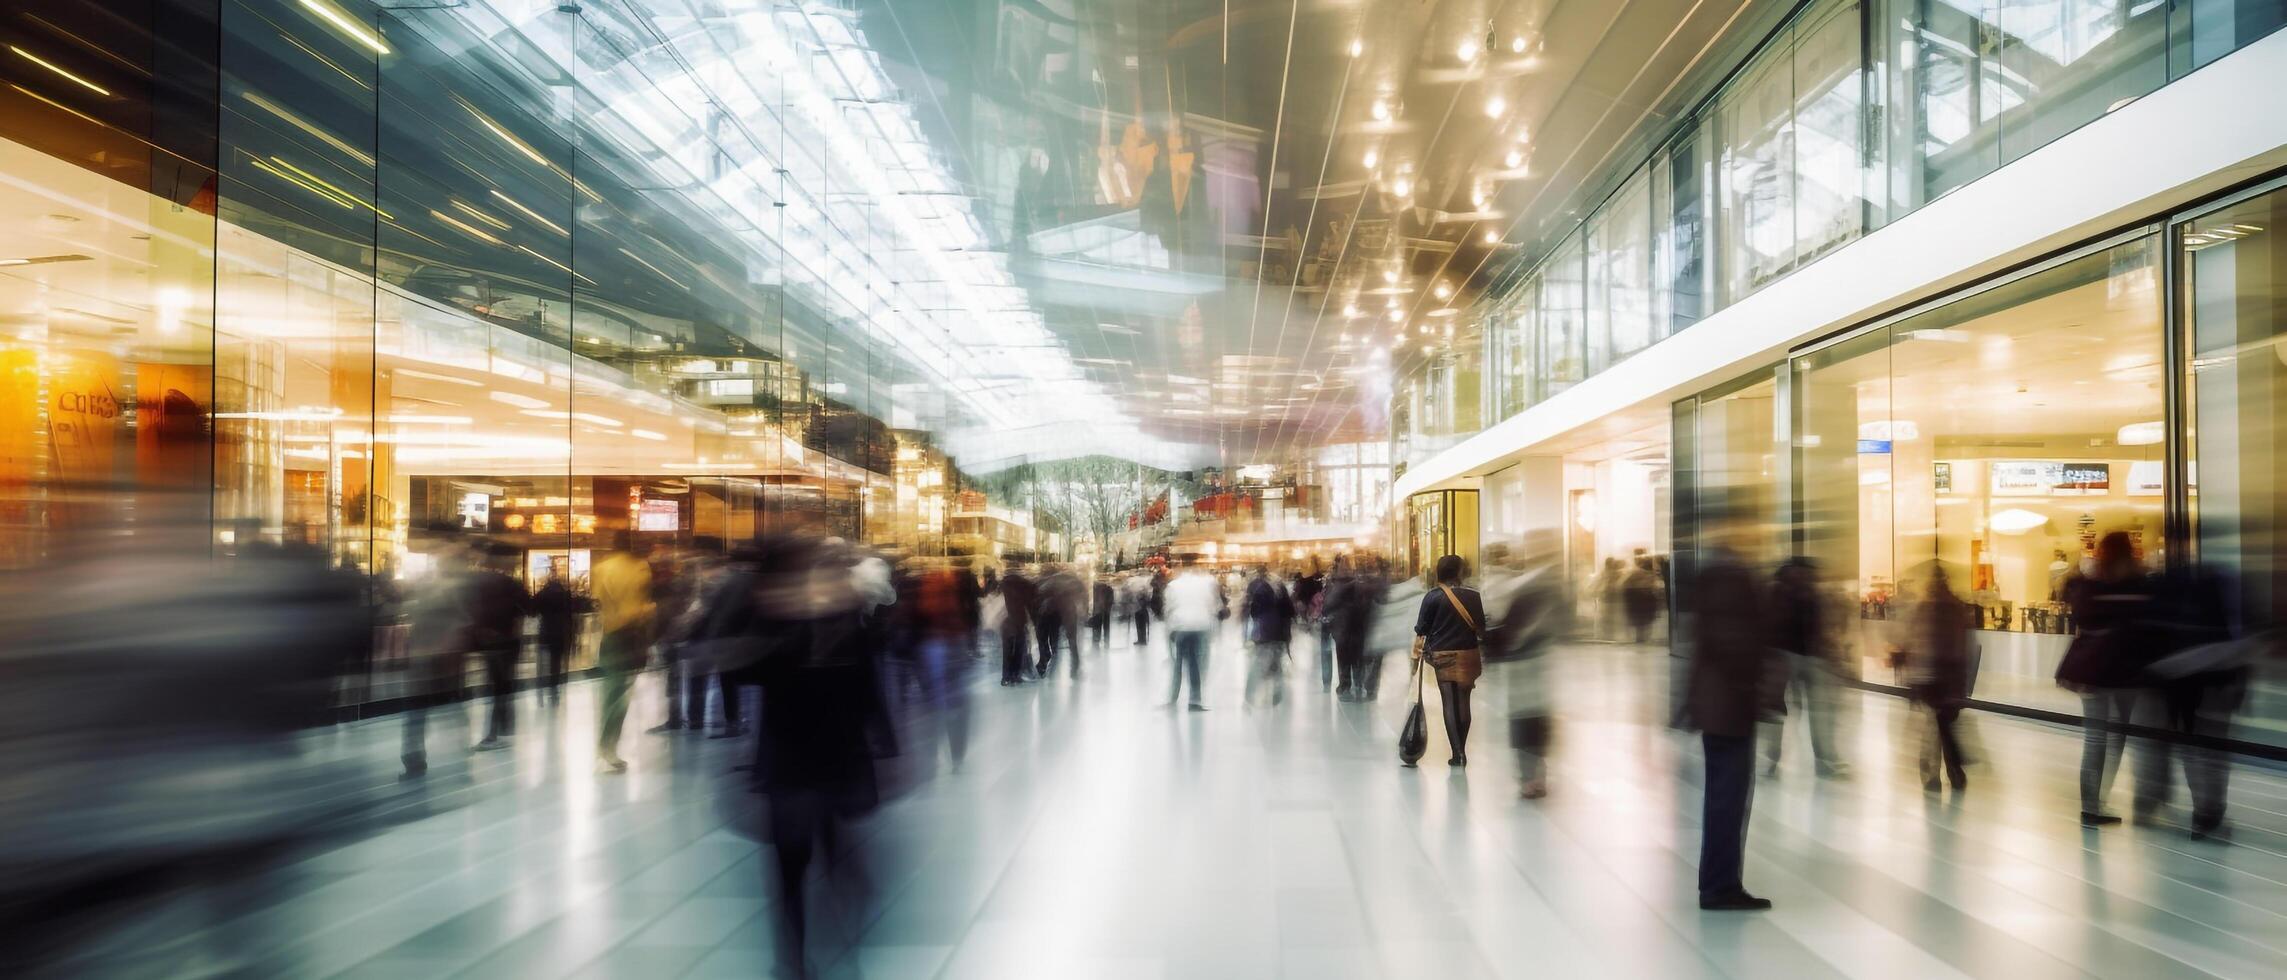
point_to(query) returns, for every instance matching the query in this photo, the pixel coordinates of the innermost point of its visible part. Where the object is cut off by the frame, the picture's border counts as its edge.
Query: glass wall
(353, 281)
(1853, 114)
(2234, 275)
(1992, 439)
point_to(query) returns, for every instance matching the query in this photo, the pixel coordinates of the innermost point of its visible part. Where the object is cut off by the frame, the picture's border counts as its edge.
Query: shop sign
(1873, 447)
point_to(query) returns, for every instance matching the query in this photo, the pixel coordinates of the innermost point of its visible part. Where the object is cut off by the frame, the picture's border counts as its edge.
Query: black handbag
(1413, 739)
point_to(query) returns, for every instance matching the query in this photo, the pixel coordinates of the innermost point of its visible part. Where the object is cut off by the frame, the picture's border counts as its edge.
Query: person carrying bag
(1447, 637)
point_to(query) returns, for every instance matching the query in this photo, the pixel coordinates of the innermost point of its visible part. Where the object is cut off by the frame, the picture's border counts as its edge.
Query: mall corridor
(1091, 833)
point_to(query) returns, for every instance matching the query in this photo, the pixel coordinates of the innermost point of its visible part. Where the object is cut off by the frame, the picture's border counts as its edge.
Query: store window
(1829, 172)
(1756, 228)
(1992, 440)
(2235, 281)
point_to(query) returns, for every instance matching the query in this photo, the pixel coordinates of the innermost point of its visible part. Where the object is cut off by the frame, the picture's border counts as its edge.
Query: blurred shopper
(1450, 627)
(558, 610)
(675, 589)
(1611, 599)
(436, 645)
(1800, 629)
(1194, 610)
(1726, 699)
(1938, 665)
(625, 610)
(715, 642)
(494, 605)
(1532, 614)
(942, 627)
(1641, 598)
(1349, 613)
(1139, 589)
(2110, 602)
(2198, 683)
(1103, 608)
(1018, 595)
(972, 606)
(1063, 603)
(823, 722)
(1309, 592)
(1268, 612)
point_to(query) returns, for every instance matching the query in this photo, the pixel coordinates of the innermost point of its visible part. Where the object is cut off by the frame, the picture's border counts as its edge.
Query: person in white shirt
(1194, 611)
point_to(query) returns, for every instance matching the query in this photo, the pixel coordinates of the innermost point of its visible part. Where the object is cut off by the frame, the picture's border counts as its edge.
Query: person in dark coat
(2104, 664)
(1103, 604)
(558, 610)
(2197, 684)
(1938, 666)
(1451, 625)
(823, 724)
(1309, 606)
(494, 606)
(1802, 633)
(1017, 598)
(1268, 611)
(1725, 700)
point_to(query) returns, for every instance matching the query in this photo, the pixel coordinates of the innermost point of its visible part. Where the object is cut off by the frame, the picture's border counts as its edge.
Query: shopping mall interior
(1011, 488)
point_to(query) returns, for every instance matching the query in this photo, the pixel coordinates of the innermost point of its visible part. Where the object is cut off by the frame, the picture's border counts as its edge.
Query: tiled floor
(1091, 834)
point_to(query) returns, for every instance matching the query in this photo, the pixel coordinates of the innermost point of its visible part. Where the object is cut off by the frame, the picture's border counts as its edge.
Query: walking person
(2110, 603)
(1641, 598)
(1309, 601)
(1451, 639)
(1801, 630)
(1725, 699)
(1063, 605)
(1534, 612)
(1938, 666)
(1348, 617)
(1194, 610)
(437, 645)
(1103, 603)
(1018, 595)
(2198, 684)
(493, 608)
(557, 608)
(1268, 612)
(624, 614)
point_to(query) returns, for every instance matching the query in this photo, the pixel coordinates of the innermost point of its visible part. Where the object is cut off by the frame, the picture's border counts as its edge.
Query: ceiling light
(15, 261)
(1372, 157)
(1467, 50)
(1492, 238)
(1396, 314)
(1350, 310)
(1390, 275)
(1495, 106)
(2016, 520)
(51, 66)
(1402, 187)
(1380, 110)
(1443, 291)
(1517, 44)
(349, 26)
(1357, 47)
(512, 398)
(1515, 159)
(2142, 434)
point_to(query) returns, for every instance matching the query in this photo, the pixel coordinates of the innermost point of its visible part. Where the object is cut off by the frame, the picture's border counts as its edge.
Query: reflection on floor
(1092, 834)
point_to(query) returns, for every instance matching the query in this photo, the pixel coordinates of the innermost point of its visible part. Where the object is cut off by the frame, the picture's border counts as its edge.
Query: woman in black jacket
(2111, 607)
(1450, 628)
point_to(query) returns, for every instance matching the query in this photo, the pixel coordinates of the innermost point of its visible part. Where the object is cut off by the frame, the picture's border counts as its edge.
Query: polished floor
(1090, 833)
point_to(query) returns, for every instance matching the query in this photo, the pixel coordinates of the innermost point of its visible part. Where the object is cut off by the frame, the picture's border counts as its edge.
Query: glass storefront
(345, 279)
(1852, 115)
(1995, 435)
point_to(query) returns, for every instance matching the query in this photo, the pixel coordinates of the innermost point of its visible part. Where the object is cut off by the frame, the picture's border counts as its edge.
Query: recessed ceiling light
(1517, 44)
(1515, 159)
(1492, 238)
(1357, 47)
(1466, 50)
(1372, 157)
(1495, 106)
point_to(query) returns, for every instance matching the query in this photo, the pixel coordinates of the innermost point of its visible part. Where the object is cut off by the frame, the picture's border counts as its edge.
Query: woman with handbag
(1448, 638)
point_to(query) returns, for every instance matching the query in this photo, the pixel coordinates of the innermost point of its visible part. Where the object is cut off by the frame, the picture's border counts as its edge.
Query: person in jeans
(1725, 700)
(1269, 614)
(2110, 605)
(1194, 608)
(621, 584)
